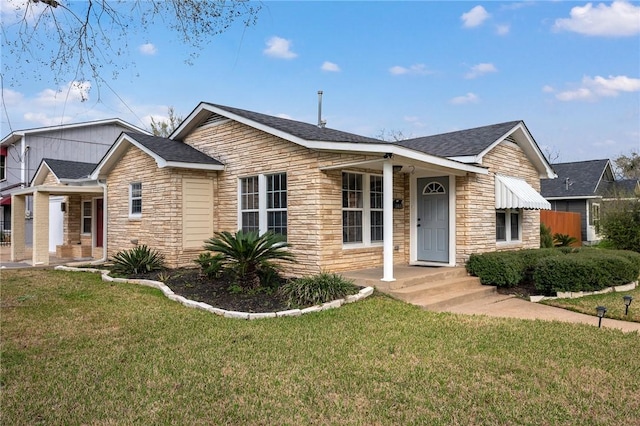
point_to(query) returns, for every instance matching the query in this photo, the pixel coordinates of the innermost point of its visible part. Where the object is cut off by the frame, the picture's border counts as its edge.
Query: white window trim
(84, 232)
(263, 225)
(507, 224)
(134, 215)
(366, 212)
(3, 175)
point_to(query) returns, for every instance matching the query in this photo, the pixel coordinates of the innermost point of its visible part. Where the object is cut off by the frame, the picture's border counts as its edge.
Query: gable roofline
(314, 137)
(47, 165)
(19, 134)
(527, 143)
(125, 140)
(577, 179)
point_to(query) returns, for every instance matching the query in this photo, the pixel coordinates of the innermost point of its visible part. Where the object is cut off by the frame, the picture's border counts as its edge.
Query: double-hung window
(135, 199)
(86, 217)
(263, 203)
(362, 208)
(508, 225)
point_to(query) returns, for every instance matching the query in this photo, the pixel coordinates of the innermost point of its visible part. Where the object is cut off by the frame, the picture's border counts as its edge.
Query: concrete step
(431, 288)
(428, 275)
(439, 302)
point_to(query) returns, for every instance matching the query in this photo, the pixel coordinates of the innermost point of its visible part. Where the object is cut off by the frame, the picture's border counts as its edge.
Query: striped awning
(516, 193)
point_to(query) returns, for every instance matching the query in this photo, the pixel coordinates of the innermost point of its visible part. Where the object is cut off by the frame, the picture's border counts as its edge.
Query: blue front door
(433, 219)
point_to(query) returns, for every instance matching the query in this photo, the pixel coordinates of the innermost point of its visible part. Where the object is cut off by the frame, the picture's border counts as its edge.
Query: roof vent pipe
(321, 122)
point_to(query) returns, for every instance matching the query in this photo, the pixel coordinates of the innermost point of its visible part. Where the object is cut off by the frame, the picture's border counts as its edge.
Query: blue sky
(570, 70)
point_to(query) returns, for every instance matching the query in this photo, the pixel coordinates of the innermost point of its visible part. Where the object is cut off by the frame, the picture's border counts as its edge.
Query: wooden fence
(563, 223)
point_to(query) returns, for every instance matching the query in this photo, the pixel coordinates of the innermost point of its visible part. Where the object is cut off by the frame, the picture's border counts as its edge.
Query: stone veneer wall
(314, 196)
(475, 204)
(160, 225)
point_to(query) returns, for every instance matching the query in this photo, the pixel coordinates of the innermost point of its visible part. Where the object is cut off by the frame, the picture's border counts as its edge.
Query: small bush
(546, 238)
(502, 269)
(138, 260)
(316, 289)
(587, 270)
(620, 225)
(211, 266)
(531, 257)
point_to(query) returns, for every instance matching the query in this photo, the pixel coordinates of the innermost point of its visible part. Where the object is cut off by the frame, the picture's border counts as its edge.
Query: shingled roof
(64, 169)
(583, 179)
(306, 131)
(172, 150)
(461, 143)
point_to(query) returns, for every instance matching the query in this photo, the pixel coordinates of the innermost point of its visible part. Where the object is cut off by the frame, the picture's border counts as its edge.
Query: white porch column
(387, 205)
(18, 206)
(40, 228)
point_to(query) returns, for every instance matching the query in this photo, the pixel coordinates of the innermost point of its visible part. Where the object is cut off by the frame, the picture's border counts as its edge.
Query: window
(508, 225)
(263, 203)
(86, 217)
(3, 167)
(277, 203)
(250, 204)
(362, 208)
(135, 199)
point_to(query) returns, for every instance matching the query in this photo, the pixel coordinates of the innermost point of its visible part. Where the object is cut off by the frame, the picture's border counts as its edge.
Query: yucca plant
(563, 240)
(246, 254)
(138, 260)
(316, 289)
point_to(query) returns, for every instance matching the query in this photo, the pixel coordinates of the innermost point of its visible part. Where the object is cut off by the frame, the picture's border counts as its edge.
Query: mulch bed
(190, 283)
(523, 290)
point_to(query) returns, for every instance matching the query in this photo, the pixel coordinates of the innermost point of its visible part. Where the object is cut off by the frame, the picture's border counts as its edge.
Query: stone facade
(475, 204)
(314, 200)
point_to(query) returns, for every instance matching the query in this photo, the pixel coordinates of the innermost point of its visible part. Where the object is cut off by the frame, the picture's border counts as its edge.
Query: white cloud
(74, 91)
(503, 29)
(474, 17)
(617, 19)
(415, 121)
(607, 142)
(481, 69)
(278, 47)
(548, 89)
(148, 49)
(11, 97)
(598, 87)
(13, 11)
(42, 119)
(469, 98)
(330, 66)
(417, 69)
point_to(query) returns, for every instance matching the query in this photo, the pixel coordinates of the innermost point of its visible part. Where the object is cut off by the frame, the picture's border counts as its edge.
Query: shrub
(546, 238)
(247, 255)
(620, 224)
(531, 257)
(316, 289)
(587, 270)
(211, 265)
(563, 240)
(138, 260)
(503, 269)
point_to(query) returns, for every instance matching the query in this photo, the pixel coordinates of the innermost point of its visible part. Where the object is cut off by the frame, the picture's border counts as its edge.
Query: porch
(54, 259)
(431, 288)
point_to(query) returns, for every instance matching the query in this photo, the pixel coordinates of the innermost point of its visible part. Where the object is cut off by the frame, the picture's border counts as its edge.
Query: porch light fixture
(627, 302)
(601, 311)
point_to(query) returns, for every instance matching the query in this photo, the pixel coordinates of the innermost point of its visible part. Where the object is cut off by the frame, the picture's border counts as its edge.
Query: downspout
(105, 224)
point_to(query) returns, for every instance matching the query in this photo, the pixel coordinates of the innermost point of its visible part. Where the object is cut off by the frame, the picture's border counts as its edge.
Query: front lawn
(76, 350)
(612, 301)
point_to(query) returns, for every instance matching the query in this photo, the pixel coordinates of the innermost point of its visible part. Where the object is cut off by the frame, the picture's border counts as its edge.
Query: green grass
(76, 350)
(613, 302)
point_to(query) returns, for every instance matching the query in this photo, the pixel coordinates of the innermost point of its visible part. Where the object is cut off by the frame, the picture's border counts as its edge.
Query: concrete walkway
(513, 307)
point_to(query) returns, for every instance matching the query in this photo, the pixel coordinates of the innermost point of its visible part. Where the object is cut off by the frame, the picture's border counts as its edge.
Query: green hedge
(584, 271)
(553, 270)
(504, 269)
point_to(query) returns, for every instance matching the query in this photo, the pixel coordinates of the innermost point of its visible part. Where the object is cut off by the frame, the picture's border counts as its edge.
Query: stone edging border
(365, 292)
(577, 294)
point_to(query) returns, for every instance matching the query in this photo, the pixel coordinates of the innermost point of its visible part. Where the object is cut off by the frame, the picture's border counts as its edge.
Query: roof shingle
(172, 150)
(583, 179)
(64, 169)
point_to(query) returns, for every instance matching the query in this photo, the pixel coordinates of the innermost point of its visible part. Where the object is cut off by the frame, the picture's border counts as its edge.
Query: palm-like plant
(246, 254)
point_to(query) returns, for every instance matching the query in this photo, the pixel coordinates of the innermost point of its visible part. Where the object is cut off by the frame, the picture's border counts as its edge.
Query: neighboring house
(22, 151)
(343, 201)
(581, 187)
